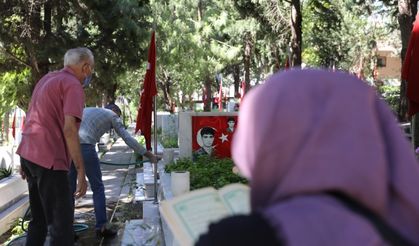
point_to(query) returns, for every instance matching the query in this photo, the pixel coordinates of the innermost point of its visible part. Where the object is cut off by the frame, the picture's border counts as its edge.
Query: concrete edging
(13, 201)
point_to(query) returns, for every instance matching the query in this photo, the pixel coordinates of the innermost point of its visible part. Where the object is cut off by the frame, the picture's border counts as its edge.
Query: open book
(189, 215)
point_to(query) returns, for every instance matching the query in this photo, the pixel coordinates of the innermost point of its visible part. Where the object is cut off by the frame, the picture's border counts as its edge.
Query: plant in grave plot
(207, 171)
(5, 172)
(17, 230)
(169, 141)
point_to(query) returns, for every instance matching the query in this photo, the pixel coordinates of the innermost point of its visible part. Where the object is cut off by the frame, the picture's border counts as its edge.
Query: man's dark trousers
(51, 205)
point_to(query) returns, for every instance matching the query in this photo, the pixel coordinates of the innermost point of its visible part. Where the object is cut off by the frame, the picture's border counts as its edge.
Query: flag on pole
(149, 90)
(243, 87)
(22, 126)
(220, 96)
(409, 69)
(287, 63)
(14, 125)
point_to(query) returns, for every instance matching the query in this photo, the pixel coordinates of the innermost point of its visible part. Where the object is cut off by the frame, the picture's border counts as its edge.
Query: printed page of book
(189, 215)
(236, 198)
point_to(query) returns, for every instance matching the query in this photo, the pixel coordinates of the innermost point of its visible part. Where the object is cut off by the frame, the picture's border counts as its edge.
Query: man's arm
(71, 135)
(152, 157)
(130, 141)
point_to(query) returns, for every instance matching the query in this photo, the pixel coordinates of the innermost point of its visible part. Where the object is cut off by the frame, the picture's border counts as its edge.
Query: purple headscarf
(305, 132)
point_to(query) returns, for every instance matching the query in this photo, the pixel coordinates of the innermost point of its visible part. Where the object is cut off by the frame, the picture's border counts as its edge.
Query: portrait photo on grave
(205, 139)
(231, 123)
(212, 135)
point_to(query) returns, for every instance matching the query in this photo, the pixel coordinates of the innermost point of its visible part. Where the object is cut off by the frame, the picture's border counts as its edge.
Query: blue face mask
(86, 81)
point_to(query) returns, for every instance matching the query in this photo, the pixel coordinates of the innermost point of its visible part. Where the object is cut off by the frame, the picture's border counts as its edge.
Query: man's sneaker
(106, 231)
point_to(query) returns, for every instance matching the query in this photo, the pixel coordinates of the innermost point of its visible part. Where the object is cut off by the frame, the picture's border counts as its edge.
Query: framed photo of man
(212, 135)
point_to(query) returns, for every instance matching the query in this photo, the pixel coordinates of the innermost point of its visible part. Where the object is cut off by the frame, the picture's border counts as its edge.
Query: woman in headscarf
(307, 138)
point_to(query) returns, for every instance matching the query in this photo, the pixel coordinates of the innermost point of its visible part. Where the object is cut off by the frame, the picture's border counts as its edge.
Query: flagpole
(155, 149)
(155, 121)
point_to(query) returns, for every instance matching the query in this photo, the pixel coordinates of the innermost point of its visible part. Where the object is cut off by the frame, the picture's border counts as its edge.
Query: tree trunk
(110, 93)
(236, 77)
(208, 94)
(247, 59)
(165, 86)
(296, 33)
(200, 12)
(47, 18)
(182, 101)
(32, 38)
(191, 102)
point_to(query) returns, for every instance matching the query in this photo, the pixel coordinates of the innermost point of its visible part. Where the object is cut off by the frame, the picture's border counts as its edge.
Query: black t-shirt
(240, 230)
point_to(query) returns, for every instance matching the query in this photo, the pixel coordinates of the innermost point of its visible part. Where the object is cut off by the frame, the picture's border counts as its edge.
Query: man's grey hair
(77, 55)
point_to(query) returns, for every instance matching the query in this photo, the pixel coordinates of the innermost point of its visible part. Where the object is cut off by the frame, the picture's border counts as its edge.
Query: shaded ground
(123, 212)
(119, 183)
(85, 215)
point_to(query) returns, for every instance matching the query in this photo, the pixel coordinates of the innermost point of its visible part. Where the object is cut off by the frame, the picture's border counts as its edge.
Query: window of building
(381, 61)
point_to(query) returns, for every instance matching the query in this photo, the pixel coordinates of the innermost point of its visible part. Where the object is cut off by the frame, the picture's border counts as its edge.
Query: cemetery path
(118, 182)
(120, 186)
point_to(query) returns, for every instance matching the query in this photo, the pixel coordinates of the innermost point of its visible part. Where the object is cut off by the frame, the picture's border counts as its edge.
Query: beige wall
(392, 68)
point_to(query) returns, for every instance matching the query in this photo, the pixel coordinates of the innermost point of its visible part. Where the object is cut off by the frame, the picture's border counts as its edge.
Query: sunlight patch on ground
(108, 177)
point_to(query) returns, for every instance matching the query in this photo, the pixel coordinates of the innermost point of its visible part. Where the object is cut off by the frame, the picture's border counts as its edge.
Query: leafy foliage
(196, 40)
(169, 141)
(207, 171)
(391, 95)
(34, 36)
(5, 172)
(17, 230)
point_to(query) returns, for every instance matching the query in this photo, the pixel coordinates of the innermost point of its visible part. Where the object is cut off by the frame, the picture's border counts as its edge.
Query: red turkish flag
(410, 71)
(287, 63)
(22, 126)
(14, 126)
(149, 90)
(243, 87)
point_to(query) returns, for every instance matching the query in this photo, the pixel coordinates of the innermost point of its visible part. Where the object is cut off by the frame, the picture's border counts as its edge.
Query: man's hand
(151, 157)
(22, 173)
(71, 134)
(155, 159)
(81, 186)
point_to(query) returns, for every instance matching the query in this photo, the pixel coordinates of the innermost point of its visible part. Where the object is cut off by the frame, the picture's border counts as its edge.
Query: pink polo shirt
(55, 95)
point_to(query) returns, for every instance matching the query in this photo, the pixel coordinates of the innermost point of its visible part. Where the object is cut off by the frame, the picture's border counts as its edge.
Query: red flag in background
(14, 126)
(243, 87)
(220, 96)
(149, 90)
(287, 63)
(410, 71)
(22, 126)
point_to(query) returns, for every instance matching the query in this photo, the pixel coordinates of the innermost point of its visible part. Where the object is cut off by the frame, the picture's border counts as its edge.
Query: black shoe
(106, 231)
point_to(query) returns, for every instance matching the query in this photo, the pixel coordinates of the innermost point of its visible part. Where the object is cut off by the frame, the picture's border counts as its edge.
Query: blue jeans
(94, 175)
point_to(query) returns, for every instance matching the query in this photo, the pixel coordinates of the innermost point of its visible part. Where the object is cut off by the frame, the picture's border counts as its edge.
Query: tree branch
(2, 49)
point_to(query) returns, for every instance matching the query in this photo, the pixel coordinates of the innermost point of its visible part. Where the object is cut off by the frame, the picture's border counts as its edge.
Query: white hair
(77, 55)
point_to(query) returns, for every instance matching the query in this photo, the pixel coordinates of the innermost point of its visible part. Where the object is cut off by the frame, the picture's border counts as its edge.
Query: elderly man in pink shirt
(50, 141)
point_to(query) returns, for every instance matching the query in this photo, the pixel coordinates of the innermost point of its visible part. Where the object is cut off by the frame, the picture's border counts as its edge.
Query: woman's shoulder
(242, 230)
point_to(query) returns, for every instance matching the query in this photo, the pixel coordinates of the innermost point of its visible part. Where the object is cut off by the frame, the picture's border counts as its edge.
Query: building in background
(388, 64)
